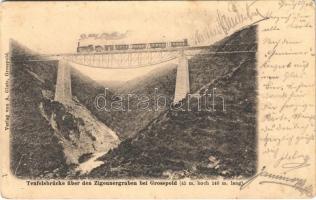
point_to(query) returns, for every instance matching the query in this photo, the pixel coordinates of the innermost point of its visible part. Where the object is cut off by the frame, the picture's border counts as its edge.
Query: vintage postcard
(175, 99)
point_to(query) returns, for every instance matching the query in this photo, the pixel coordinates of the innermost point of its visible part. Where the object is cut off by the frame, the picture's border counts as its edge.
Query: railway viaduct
(127, 59)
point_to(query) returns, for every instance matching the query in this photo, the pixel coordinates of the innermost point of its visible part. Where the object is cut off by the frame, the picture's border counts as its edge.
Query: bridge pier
(182, 80)
(63, 84)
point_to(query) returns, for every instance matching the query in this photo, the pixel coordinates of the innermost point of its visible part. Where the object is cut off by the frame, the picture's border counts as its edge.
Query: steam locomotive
(138, 46)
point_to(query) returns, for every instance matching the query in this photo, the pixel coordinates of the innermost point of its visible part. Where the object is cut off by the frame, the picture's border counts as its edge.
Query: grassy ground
(35, 150)
(127, 124)
(47, 137)
(199, 143)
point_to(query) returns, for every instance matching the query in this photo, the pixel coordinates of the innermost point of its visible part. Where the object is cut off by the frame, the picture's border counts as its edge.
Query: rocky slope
(159, 82)
(127, 123)
(48, 139)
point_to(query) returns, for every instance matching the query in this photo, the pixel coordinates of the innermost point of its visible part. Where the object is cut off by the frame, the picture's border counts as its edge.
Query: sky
(55, 27)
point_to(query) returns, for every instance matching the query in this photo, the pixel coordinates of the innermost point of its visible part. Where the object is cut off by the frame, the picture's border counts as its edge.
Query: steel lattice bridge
(129, 59)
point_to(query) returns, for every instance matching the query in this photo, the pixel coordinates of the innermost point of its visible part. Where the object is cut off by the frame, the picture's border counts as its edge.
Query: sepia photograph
(213, 94)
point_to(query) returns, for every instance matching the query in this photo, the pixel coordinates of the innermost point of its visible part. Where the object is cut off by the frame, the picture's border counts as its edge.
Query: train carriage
(179, 43)
(121, 47)
(158, 45)
(139, 46)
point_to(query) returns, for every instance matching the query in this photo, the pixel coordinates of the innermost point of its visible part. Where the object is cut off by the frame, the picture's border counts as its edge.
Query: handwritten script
(298, 184)
(286, 81)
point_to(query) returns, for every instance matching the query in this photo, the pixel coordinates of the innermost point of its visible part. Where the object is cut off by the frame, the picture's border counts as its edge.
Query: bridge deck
(133, 51)
(187, 51)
